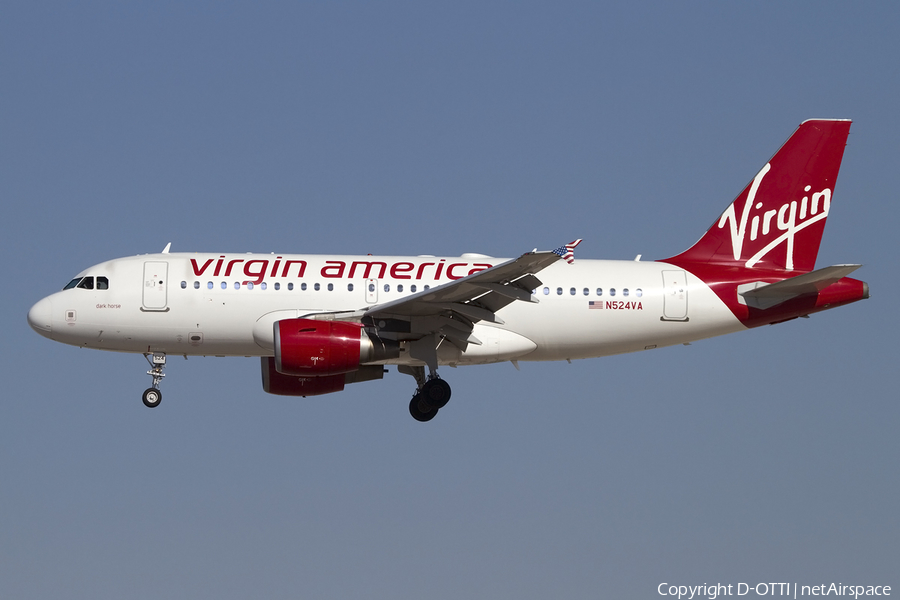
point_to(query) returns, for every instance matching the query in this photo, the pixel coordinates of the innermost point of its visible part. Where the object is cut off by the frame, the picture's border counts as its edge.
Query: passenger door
(155, 282)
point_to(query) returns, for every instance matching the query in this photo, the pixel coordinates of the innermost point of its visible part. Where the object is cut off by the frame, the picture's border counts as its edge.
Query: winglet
(166, 249)
(567, 252)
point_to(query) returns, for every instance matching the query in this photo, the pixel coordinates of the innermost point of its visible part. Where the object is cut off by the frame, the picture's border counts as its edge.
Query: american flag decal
(593, 304)
(567, 252)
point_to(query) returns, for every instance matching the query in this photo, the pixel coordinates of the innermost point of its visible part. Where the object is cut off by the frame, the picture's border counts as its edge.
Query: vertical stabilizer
(776, 223)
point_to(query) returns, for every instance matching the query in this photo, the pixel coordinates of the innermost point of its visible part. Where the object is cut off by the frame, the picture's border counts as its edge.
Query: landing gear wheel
(152, 397)
(421, 410)
(436, 393)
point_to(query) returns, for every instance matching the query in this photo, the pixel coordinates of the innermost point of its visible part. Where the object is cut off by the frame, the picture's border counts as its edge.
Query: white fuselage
(226, 304)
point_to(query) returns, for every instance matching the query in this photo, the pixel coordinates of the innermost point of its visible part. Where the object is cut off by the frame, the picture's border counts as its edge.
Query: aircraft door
(371, 291)
(675, 296)
(155, 281)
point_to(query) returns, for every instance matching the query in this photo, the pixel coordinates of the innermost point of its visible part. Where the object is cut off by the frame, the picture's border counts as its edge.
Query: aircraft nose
(39, 317)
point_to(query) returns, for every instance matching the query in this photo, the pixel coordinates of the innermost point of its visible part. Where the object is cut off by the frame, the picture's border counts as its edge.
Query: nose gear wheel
(152, 397)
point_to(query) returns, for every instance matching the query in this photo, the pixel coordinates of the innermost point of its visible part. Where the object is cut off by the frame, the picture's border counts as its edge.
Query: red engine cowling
(292, 385)
(309, 348)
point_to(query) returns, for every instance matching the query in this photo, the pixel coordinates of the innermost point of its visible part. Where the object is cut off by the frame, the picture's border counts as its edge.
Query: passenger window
(412, 288)
(587, 292)
(572, 291)
(330, 287)
(612, 291)
(624, 291)
(371, 287)
(317, 287)
(546, 291)
(638, 292)
(599, 291)
(349, 287)
(237, 285)
(102, 283)
(262, 285)
(87, 283)
(387, 287)
(224, 286)
(559, 291)
(302, 287)
(399, 287)
(249, 285)
(277, 286)
(196, 285)
(291, 286)
(183, 285)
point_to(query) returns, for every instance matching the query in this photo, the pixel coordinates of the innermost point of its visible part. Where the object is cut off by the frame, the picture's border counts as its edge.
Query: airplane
(321, 322)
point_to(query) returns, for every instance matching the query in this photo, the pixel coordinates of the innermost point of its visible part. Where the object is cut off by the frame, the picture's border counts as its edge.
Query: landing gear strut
(432, 394)
(152, 396)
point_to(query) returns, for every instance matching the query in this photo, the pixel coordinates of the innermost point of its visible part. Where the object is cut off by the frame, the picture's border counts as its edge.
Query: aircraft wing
(479, 296)
(451, 310)
(476, 297)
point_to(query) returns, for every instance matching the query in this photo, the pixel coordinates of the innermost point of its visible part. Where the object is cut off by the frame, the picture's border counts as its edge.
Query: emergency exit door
(675, 296)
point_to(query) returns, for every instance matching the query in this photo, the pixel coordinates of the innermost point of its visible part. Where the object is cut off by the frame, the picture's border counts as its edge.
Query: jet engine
(315, 357)
(312, 348)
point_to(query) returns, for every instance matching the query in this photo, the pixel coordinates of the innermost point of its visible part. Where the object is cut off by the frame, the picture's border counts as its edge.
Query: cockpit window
(87, 283)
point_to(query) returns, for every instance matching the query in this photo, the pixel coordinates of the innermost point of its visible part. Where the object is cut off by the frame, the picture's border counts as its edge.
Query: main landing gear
(152, 396)
(432, 394)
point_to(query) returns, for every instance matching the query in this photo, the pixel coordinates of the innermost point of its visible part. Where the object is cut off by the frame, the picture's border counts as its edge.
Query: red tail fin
(778, 220)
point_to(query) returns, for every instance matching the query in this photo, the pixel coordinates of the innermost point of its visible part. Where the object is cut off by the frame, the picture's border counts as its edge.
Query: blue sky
(413, 128)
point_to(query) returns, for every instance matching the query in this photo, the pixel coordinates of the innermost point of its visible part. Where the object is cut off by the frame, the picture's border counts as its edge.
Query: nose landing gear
(152, 396)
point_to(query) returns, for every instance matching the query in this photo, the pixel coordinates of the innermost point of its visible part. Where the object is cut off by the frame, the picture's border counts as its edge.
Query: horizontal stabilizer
(766, 295)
